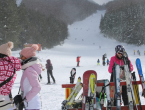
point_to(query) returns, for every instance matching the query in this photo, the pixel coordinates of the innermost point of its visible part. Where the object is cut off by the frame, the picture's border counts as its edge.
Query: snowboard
(89, 84)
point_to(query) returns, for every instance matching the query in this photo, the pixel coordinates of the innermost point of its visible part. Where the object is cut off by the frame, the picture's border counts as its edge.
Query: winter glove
(122, 67)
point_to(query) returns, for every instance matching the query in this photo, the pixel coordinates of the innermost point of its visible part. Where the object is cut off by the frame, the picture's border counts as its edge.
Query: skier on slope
(49, 68)
(103, 59)
(98, 62)
(78, 60)
(107, 61)
(119, 49)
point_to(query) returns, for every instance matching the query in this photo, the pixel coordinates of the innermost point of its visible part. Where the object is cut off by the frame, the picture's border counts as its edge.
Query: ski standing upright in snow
(139, 68)
(107, 91)
(117, 87)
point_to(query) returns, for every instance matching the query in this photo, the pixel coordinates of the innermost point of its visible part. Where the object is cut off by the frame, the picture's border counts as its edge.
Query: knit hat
(29, 52)
(6, 48)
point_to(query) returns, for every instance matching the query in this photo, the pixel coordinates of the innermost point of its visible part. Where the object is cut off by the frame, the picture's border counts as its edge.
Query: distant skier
(138, 52)
(49, 68)
(72, 75)
(144, 52)
(78, 60)
(119, 49)
(98, 62)
(103, 59)
(107, 61)
(134, 52)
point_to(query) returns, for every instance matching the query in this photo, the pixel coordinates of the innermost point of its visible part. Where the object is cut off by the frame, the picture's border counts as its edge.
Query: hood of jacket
(49, 62)
(32, 62)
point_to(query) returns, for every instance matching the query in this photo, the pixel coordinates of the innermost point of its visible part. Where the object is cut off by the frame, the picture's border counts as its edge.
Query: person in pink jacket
(30, 85)
(8, 66)
(117, 59)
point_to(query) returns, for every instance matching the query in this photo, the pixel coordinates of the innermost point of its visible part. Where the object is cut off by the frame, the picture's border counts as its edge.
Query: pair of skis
(107, 92)
(129, 85)
(103, 91)
(89, 94)
(130, 90)
(66, 104)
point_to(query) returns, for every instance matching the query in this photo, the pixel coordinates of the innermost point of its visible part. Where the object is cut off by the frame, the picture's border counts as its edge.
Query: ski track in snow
(84, 40)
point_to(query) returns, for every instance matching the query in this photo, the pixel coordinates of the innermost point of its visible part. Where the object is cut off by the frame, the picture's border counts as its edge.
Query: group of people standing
(138, 52)
(103, 60)
(29, 83)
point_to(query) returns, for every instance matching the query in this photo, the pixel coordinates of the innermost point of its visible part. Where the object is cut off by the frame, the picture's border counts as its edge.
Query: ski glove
(122, 67)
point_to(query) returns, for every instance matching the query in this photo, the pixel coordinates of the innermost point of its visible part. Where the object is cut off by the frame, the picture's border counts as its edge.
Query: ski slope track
(84, 40)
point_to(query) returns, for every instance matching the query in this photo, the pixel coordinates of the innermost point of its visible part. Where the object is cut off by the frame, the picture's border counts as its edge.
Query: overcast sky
(100, 2)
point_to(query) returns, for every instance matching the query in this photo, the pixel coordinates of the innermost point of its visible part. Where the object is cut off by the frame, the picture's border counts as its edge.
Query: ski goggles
(22, 57)
(120, 53)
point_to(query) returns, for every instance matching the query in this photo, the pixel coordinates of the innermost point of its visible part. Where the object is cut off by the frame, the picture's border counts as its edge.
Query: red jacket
(78, 59)
(117, 61)
(7, 65)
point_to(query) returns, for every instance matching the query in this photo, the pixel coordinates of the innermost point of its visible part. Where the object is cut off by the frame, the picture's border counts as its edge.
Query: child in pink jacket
(30, 85)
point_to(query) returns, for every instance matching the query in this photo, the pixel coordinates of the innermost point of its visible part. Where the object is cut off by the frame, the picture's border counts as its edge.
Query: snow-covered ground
(84, 40)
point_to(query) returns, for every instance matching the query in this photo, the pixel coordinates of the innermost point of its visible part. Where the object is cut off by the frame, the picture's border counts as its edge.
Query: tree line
(21, 25)
(67, 11)
(45, 22)
(124, 21)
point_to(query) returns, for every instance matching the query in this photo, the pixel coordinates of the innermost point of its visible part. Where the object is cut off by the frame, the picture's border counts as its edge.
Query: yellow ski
(92, 82)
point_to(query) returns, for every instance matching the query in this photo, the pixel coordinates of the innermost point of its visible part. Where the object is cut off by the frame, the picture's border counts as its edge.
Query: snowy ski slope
(84, 40)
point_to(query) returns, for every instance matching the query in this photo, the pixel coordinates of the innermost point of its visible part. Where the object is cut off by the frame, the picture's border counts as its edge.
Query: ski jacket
(103, 57)
(7, 66)
(107, 61)
(49, 65)
(113, 60)
(30, 85)
(78, 59)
